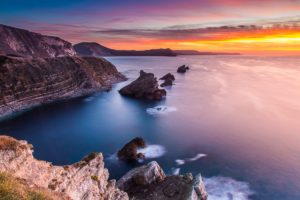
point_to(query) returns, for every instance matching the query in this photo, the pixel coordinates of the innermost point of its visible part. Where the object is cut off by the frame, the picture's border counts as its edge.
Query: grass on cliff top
(13, 189)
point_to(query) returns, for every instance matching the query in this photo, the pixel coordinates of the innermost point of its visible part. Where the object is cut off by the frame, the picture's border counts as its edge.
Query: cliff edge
(27, 82)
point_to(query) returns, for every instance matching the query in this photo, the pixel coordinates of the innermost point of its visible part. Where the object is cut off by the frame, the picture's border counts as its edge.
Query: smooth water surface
(235, 119)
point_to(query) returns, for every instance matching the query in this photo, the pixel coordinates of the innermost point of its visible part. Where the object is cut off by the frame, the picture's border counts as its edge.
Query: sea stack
(168, 78)
(145, 86)
(182, 69)
(130, 153)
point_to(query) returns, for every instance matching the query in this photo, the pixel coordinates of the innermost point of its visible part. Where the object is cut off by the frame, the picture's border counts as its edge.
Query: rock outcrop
(84, 180)
(95, 49)
(146, 86)
(129, 152)
(168, 80)
(149, 182)
(19, 42)
(182, 69)
(26, 82)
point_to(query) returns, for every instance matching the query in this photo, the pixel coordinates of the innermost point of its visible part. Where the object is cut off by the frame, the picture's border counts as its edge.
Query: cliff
(26, 82)
(19, 42)
(21, 174)
(95, 49)
(84, 180)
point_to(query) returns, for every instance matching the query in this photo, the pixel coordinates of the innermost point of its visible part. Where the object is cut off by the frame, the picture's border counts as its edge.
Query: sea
(234, 119)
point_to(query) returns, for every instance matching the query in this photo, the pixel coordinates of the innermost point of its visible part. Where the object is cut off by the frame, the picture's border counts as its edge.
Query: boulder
(166, 83)
(182, 69)
(146, 86)
(129, 151)
(168, 76)
(149, 182)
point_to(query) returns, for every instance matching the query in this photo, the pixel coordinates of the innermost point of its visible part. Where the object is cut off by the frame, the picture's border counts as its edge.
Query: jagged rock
(150, 183)
(145, 175)
(84, 180)
(19, 42)
(182, 69)
(26, 82)
(146, 86)
(166, 83)
(129, 151)
(168, 76)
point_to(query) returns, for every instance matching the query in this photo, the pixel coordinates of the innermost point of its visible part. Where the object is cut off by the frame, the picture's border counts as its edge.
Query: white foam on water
(226, 188)
(179, 162)
(159, 110)
(175, 171)
(153, 151)
(198, 156)
(88, 99)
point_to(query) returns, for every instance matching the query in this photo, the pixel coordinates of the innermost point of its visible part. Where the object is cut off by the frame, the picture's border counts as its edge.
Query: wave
(158, 110)
(88, 99)
(198, 156)
(153, 151)
(175, 171)
(179, 162)
(226, 188)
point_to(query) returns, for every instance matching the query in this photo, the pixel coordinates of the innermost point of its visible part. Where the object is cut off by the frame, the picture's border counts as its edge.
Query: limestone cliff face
(84, 180)
(26, 82)
(19, 42)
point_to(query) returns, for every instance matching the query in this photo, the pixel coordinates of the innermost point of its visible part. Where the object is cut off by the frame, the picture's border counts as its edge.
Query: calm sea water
(234, 119)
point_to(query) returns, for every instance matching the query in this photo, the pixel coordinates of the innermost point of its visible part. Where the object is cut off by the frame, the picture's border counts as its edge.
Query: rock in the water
(146, 86)
(167, 82)
(168, 76)
(27, 82)
(129, 151)
(84, 180)
(182, 69)
(149, 182)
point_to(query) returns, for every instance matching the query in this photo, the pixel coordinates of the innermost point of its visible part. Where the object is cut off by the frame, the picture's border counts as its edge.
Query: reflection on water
(242, 112)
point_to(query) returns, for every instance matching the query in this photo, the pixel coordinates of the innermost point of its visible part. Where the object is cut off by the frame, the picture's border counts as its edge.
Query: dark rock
(19, 42)
(182, 69)
(129, 151)
(167, 82)
(27, 82)
(146, 86)
(168, 76)
(149, 182)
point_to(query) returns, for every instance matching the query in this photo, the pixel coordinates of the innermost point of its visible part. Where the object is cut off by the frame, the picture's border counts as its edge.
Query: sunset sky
(245, 26)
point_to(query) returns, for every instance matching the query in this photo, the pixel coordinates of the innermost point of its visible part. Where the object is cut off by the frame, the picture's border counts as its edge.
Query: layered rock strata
(27, 82)
(20, 42)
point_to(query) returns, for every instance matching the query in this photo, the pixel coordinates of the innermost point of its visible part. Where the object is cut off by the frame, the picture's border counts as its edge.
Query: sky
(244, 26)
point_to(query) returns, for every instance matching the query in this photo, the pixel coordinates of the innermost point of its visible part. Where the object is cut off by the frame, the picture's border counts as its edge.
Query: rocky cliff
(26, 82)
(84, 180)
(19, 42)
(95, 49)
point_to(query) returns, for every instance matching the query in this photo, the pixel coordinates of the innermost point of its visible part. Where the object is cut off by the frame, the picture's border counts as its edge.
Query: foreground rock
(149, 182)
(27, 82)
(19, 42)
(129, 151)
(168, 78)
(182, 69)
(146, 86)
(84, 180)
